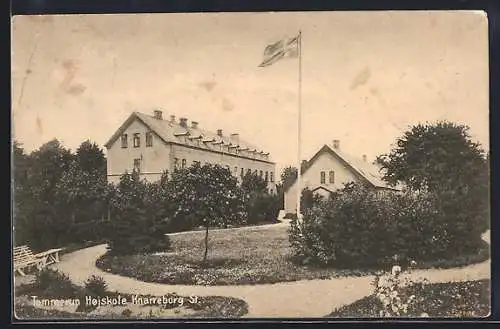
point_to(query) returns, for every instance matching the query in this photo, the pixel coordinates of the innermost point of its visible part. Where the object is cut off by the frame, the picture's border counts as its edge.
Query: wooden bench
(25, 259)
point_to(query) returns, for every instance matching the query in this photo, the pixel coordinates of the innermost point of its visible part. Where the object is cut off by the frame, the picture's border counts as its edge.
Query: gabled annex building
(329, 169)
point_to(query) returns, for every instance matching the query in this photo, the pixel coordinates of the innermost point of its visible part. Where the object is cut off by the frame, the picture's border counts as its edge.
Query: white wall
(312, 179)
(161, 157)
(155, 159)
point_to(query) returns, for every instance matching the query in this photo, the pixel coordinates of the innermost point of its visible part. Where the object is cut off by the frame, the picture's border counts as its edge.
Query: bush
(96, 285)
(138, 224)
(263, 208)
(52, 283)
(361, 227)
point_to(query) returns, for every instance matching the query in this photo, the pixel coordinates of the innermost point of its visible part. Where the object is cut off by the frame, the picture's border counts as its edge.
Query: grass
(247, 256)
(57, 287)
(252, 255)
(468, 299)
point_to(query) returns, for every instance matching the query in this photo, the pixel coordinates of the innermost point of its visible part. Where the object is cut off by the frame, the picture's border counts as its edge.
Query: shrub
(52, 283)
(96, 285)
(263, 207)
(138, 224)
(362, 227)
(309, 199)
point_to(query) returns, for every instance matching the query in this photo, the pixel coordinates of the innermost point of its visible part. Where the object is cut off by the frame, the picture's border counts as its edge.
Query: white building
(151, 145)
(329, 169)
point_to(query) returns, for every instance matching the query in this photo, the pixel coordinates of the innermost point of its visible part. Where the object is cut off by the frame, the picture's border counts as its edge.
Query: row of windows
(268, 175)
(331, 177)
(136, 140)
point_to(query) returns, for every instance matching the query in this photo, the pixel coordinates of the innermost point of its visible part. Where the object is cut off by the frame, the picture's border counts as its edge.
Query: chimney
(158, 114)
(219, 132)
(364, 157)
(172, 118)
(235, 139)
(336, 144)
(194, 124)
(183, 122)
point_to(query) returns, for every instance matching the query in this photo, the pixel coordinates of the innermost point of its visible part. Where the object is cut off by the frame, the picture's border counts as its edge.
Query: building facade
(152, 145)
(329, 169)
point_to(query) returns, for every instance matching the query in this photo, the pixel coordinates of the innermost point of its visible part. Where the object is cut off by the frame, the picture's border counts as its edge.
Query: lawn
(236, 256)
(469, 299)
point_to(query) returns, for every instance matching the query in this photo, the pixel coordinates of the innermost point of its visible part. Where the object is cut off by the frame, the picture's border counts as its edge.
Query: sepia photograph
(272, 165)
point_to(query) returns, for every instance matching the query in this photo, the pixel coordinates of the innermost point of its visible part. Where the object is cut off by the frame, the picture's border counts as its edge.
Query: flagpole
(299, 128)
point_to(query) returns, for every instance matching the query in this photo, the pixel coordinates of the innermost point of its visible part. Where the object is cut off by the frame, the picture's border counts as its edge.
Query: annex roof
(170, 132)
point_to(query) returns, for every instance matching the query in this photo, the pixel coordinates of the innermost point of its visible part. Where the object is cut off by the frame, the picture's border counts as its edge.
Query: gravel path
(306, 298)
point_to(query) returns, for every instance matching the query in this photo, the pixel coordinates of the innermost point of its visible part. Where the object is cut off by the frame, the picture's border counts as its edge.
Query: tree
(82, 193)
(136, 226)
(252, 183)
(432, 156)
(90, 157)
(37, 214)
(441, 159)
(206, 195)
(20, 191)
(288, 176)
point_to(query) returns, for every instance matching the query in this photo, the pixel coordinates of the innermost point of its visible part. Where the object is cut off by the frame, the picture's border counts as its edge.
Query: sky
(366, 76)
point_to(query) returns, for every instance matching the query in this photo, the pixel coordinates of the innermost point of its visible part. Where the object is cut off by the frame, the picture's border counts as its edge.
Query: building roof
(170, 132)
(367, 171)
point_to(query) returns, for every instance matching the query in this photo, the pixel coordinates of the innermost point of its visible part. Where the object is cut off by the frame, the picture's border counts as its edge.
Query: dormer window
(124, 141)
(137, 140)
(149, 139)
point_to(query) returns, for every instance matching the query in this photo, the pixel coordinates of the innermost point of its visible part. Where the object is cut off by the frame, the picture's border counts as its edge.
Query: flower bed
(441, 300)
(57, 298)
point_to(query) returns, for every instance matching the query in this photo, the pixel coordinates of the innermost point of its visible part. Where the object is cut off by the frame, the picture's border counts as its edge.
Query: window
(149, 139)
(124, 141)
(271, 175)
(176, 163)
(322, 177)
(137, 165)
(261, 174)
(267, 176)
(331, 177)
(242, 173)
(183, 163)
(137, 140)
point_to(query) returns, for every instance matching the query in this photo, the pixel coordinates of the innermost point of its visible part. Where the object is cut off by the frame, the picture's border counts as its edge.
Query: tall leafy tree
(288, 176)
(90, 157)
(441, 159)
(136, 227)
(82, 193)
(20, 191)
(39, 218)
(252, 183)
(207, 195)
(433, 156)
